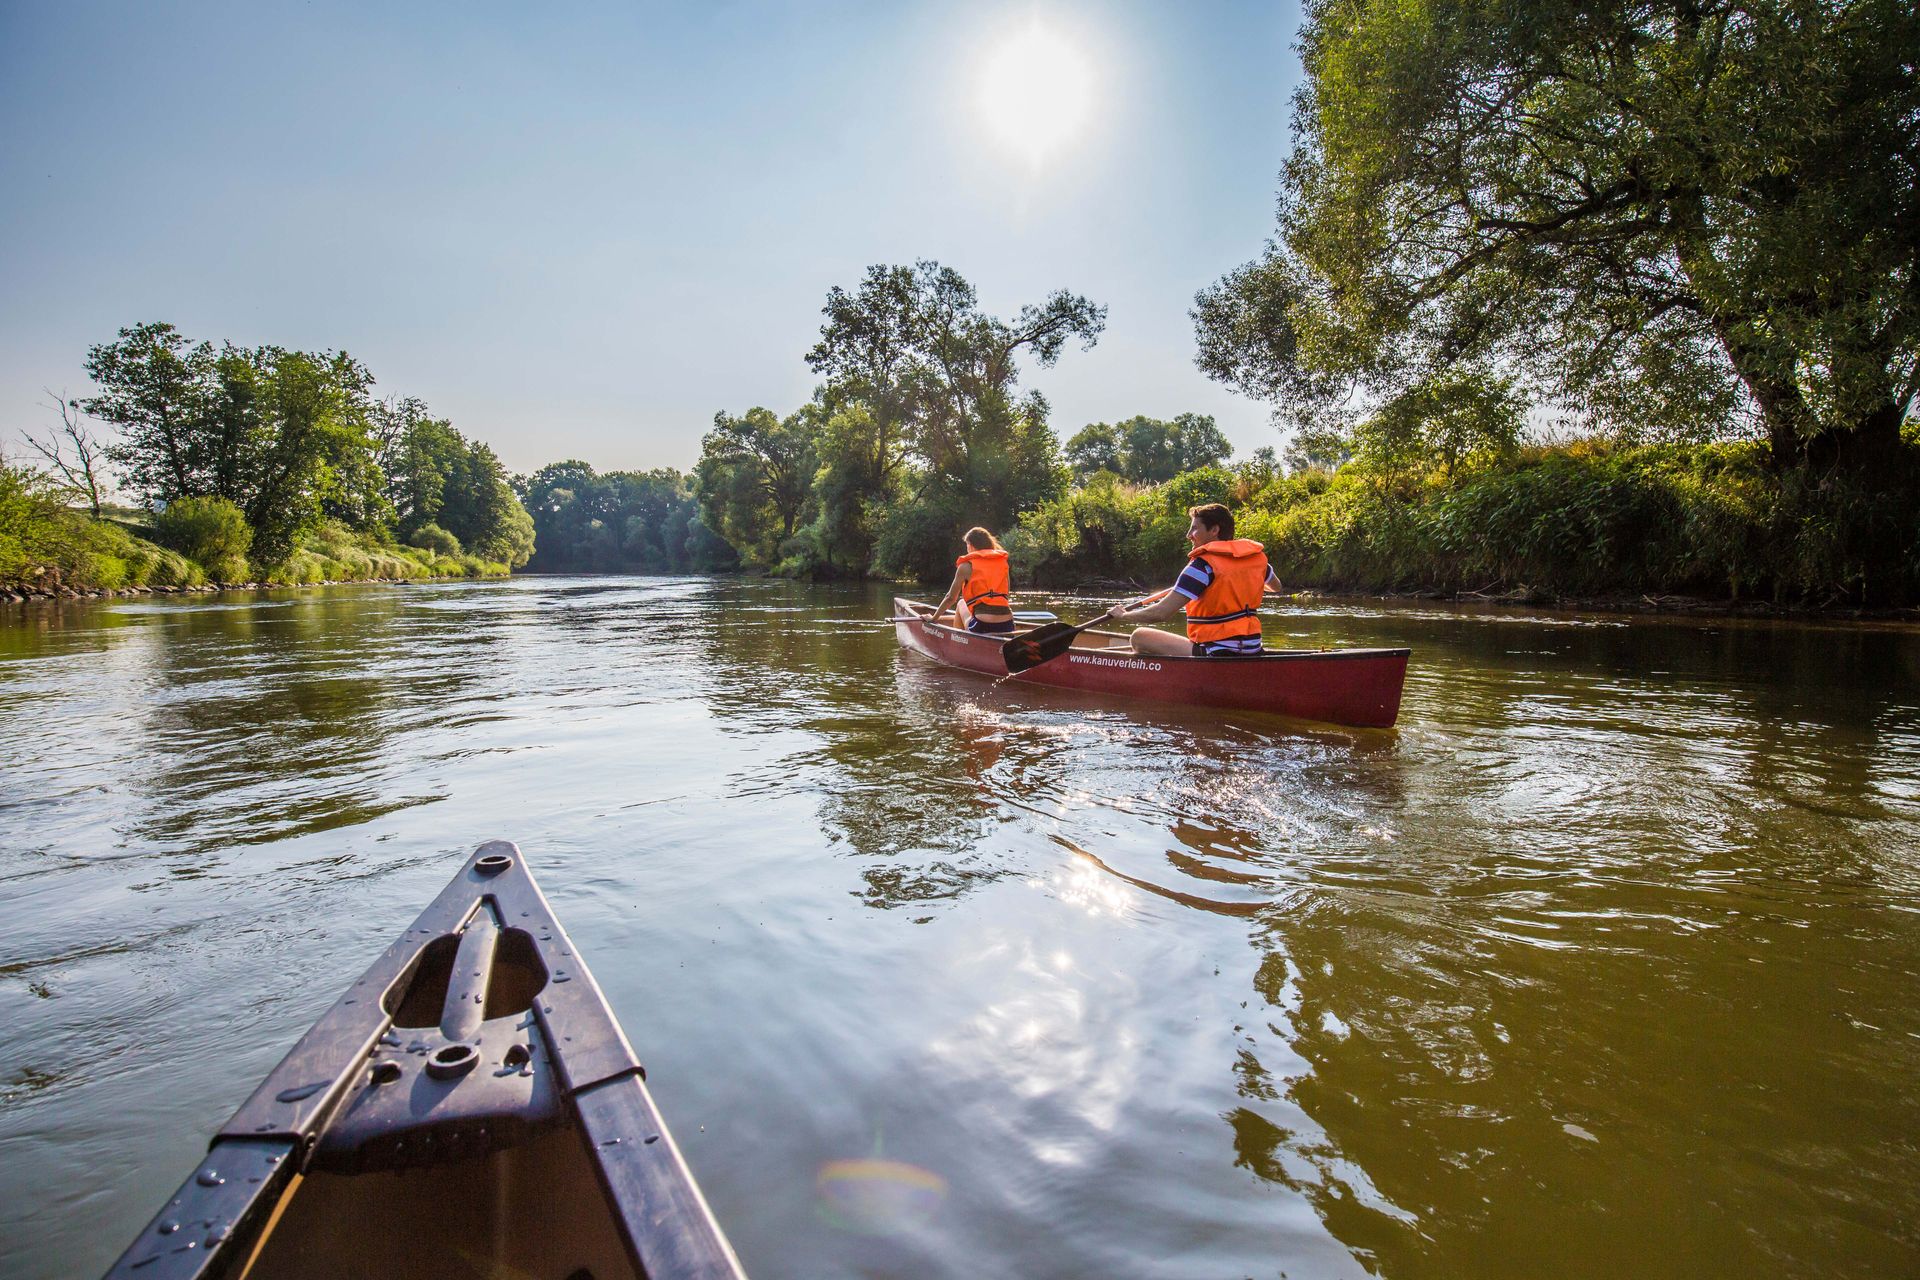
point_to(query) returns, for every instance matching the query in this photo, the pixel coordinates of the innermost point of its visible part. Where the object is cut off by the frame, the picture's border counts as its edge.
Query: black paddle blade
(1037, 646)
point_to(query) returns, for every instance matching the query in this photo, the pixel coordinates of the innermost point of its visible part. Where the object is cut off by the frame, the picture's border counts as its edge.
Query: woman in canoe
(1220, 590)
(981, 593)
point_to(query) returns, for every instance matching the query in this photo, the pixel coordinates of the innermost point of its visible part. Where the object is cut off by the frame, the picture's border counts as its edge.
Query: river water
(1606, 962)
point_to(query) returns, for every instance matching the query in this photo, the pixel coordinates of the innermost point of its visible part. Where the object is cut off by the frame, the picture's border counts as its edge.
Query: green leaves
(1144, 450)
(289, 438)
(1659, 219)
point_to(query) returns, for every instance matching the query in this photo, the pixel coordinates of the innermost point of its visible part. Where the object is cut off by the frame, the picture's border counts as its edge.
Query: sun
(1036, 90)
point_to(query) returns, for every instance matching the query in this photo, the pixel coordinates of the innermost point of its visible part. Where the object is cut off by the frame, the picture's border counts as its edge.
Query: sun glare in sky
(1036, 91)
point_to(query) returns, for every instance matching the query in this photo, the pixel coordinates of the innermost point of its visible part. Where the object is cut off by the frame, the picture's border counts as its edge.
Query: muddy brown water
(1606, 962)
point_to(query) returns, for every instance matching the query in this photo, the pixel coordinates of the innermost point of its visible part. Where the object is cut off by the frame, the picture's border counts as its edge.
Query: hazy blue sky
(579, 230)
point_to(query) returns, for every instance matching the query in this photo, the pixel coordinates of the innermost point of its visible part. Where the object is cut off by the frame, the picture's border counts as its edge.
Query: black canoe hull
(469, 1106)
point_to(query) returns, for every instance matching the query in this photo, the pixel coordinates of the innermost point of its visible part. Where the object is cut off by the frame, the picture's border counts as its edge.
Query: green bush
(921, 539)
(1581, 519)
(211, 532)
(43, 545)
(431, 537)
(1085, 534)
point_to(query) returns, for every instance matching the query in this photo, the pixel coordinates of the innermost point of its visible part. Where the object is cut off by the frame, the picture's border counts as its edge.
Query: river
(1605, 963)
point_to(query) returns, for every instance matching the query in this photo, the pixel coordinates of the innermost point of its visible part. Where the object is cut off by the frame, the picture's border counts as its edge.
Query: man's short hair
(1215, 516)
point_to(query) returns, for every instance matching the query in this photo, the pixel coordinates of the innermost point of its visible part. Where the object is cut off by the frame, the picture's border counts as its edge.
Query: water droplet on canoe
(652, 1138)
(168, 1227)
(210, 1178)
(300, 1092)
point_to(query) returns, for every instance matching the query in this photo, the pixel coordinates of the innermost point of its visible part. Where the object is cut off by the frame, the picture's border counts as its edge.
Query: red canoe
(1357, 687)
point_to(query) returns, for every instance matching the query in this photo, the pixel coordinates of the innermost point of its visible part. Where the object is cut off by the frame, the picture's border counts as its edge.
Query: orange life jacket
(1228, 608)
(988, 586)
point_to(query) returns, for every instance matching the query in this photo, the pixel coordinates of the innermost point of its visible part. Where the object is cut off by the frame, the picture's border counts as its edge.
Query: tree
(1094, 447)
(853, 487)
(211, 532)
(1445, 420)
(940, 380)
(1143, 450)
(154, 387)
(75, 454)
(1313, 448)
(283, 435)
(869, 354)
(755, 473)
(436, 476)
(1655, 213)
(622, 522)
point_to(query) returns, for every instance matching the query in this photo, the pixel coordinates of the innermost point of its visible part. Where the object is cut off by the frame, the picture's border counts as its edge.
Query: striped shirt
(1194, 580)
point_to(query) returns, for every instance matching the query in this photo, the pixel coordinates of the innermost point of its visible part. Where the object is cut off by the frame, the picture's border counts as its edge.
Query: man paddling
(1220, 591)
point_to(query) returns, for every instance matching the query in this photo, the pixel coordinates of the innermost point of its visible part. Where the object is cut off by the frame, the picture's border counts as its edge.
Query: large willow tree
(1660, 215)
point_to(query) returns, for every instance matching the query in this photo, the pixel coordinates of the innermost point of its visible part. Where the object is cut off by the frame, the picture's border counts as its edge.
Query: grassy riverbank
(47, 549)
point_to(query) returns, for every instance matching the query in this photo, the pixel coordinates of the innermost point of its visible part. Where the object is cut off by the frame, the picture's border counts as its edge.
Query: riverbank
(1533, 600)
(14, 596)
(49, 552)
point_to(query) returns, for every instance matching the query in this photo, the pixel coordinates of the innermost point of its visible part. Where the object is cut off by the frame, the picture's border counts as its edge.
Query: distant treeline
(620, 522)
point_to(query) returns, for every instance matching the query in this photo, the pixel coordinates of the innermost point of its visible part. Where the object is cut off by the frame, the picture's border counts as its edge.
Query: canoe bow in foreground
(1355, 687)
(468, 1107)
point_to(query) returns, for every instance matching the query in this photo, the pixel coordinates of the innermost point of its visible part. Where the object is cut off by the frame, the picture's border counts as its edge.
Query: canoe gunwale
(1124, 643)
(215, 1222)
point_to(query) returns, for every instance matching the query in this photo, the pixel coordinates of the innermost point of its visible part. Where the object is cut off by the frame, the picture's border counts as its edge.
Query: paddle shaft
(1048, 643)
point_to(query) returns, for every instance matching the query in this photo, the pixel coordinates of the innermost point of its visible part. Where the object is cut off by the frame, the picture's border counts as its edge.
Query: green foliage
(1587, 519)
(1666, 219)
(436, 476)
(1087, 534)
(924, 419)
(920, 539)
(1144, 450)
(852, 491)
(755, 474)
(330, 551)
(283, 435)
(621, 522)
(45, 546)
(431, 537)
(292, 438)
(211, 532)
(1454, 418)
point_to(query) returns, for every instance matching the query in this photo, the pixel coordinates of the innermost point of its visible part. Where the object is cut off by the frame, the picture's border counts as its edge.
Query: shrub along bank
(47, 549)
(1586, 521)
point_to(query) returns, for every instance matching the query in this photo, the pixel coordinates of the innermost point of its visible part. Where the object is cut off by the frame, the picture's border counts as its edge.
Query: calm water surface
(1606, 963)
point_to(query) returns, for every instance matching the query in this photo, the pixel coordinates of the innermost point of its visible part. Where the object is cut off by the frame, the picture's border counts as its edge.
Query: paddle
(1044, 644)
